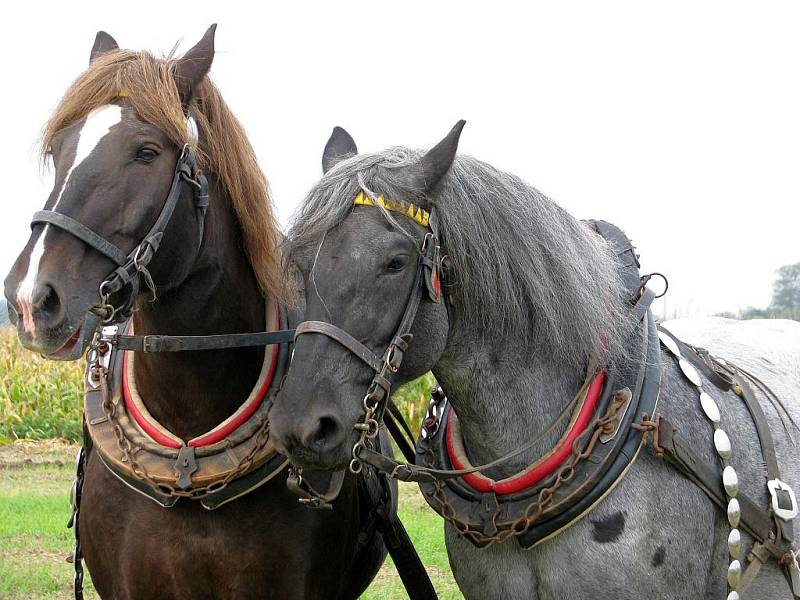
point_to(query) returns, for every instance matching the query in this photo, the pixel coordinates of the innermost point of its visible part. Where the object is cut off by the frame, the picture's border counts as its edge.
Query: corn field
(42, 399)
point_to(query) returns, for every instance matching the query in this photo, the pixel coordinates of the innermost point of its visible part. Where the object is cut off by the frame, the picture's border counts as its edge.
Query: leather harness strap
(181, 343)
(681, 455)
(726, 378)
(702, 361)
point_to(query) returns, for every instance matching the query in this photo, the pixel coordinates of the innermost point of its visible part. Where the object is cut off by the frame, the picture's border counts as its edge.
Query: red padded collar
(540, 469)
(161, 435)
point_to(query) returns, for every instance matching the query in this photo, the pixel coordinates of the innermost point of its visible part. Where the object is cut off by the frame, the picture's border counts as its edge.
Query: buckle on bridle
(780, 492)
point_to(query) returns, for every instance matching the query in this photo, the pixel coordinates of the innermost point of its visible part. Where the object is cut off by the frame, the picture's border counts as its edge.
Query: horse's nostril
(324, 434)
(46, 303)
(327, 427)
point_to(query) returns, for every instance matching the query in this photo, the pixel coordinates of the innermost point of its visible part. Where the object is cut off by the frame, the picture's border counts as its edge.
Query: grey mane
(556, 280)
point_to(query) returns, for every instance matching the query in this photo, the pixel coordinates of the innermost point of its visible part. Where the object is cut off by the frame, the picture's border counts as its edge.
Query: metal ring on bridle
(104, 295)
(369, 427)
(138, 255)
(367, 407)
(389, 359)
(356, 465)
(649, 276)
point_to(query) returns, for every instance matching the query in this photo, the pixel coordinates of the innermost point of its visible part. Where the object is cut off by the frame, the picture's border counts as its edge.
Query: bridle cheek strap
(378, 392)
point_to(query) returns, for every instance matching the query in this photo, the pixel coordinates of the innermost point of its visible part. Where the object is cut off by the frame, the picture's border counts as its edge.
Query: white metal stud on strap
(690, 372)
(669, 343)
(775, 486)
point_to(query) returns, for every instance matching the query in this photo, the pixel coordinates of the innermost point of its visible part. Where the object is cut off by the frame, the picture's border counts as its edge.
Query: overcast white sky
(678, 121)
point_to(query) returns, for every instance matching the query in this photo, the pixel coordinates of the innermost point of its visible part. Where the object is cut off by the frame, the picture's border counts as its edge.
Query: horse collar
(217, 467)
(548, 496)
(544, 467)
(159, 434)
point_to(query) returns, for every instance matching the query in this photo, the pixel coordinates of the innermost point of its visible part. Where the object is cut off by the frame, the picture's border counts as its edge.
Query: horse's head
(359, 254)
(113, 172)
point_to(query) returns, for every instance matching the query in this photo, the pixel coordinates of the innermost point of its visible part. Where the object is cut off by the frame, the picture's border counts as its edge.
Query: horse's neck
(504, 397)
(192, 392)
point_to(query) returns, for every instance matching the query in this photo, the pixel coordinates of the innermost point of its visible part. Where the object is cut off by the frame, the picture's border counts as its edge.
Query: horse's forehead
(85, 136)
(367, 228)
(98, 125)
(82, 141)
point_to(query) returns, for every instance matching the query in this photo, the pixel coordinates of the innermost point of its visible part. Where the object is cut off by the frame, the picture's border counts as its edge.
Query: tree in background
(786, 292)
(785, 297)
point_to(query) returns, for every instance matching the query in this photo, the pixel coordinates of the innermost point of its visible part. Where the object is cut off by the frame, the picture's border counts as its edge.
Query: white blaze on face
(97, 125)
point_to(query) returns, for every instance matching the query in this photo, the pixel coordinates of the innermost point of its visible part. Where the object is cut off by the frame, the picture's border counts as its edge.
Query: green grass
(34, 540)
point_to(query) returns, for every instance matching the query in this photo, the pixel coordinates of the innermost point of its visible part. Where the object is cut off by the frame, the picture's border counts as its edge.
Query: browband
(420, 215)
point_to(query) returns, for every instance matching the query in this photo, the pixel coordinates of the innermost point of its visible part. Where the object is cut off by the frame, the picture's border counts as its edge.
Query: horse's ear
(429, 170)
(102, 43)
(194, 65)
(340, 146)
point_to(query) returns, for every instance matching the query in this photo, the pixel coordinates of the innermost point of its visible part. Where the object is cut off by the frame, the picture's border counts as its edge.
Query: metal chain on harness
(582, 448)
(98, 375)
(74, 522)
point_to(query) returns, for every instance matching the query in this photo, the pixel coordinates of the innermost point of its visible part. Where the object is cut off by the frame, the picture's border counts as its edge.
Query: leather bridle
(387, 365)
(132, 265)
(376, 399)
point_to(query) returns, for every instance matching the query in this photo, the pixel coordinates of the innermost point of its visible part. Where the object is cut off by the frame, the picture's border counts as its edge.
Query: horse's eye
(146, 155)
(398, 263)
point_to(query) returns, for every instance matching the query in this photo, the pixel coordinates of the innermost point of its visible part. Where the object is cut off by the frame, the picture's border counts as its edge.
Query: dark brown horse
(115, 140)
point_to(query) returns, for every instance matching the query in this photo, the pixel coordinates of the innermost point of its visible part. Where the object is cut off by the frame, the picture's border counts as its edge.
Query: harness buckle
(151, 343)
(782, 495)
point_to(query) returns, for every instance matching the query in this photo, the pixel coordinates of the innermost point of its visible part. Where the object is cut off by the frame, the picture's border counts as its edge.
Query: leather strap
(400, 431)
(180, 343)
(344, 338)
(755, 520)
(701, 360)
(382, 504)
(82, 232)
(409, 566)
(725, 377)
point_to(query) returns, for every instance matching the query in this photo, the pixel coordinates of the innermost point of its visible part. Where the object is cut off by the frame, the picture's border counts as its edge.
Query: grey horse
(531, 300)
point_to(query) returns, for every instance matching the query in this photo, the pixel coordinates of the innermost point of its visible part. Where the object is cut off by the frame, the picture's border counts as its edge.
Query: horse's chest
(135, 548)
(643, 541)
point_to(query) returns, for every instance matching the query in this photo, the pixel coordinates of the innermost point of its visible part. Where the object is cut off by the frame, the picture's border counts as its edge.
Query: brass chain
(535, 509)
(99, 375)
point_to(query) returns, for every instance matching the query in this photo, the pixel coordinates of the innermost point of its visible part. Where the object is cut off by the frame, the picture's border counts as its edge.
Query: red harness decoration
(160, 435)
(542, 468)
